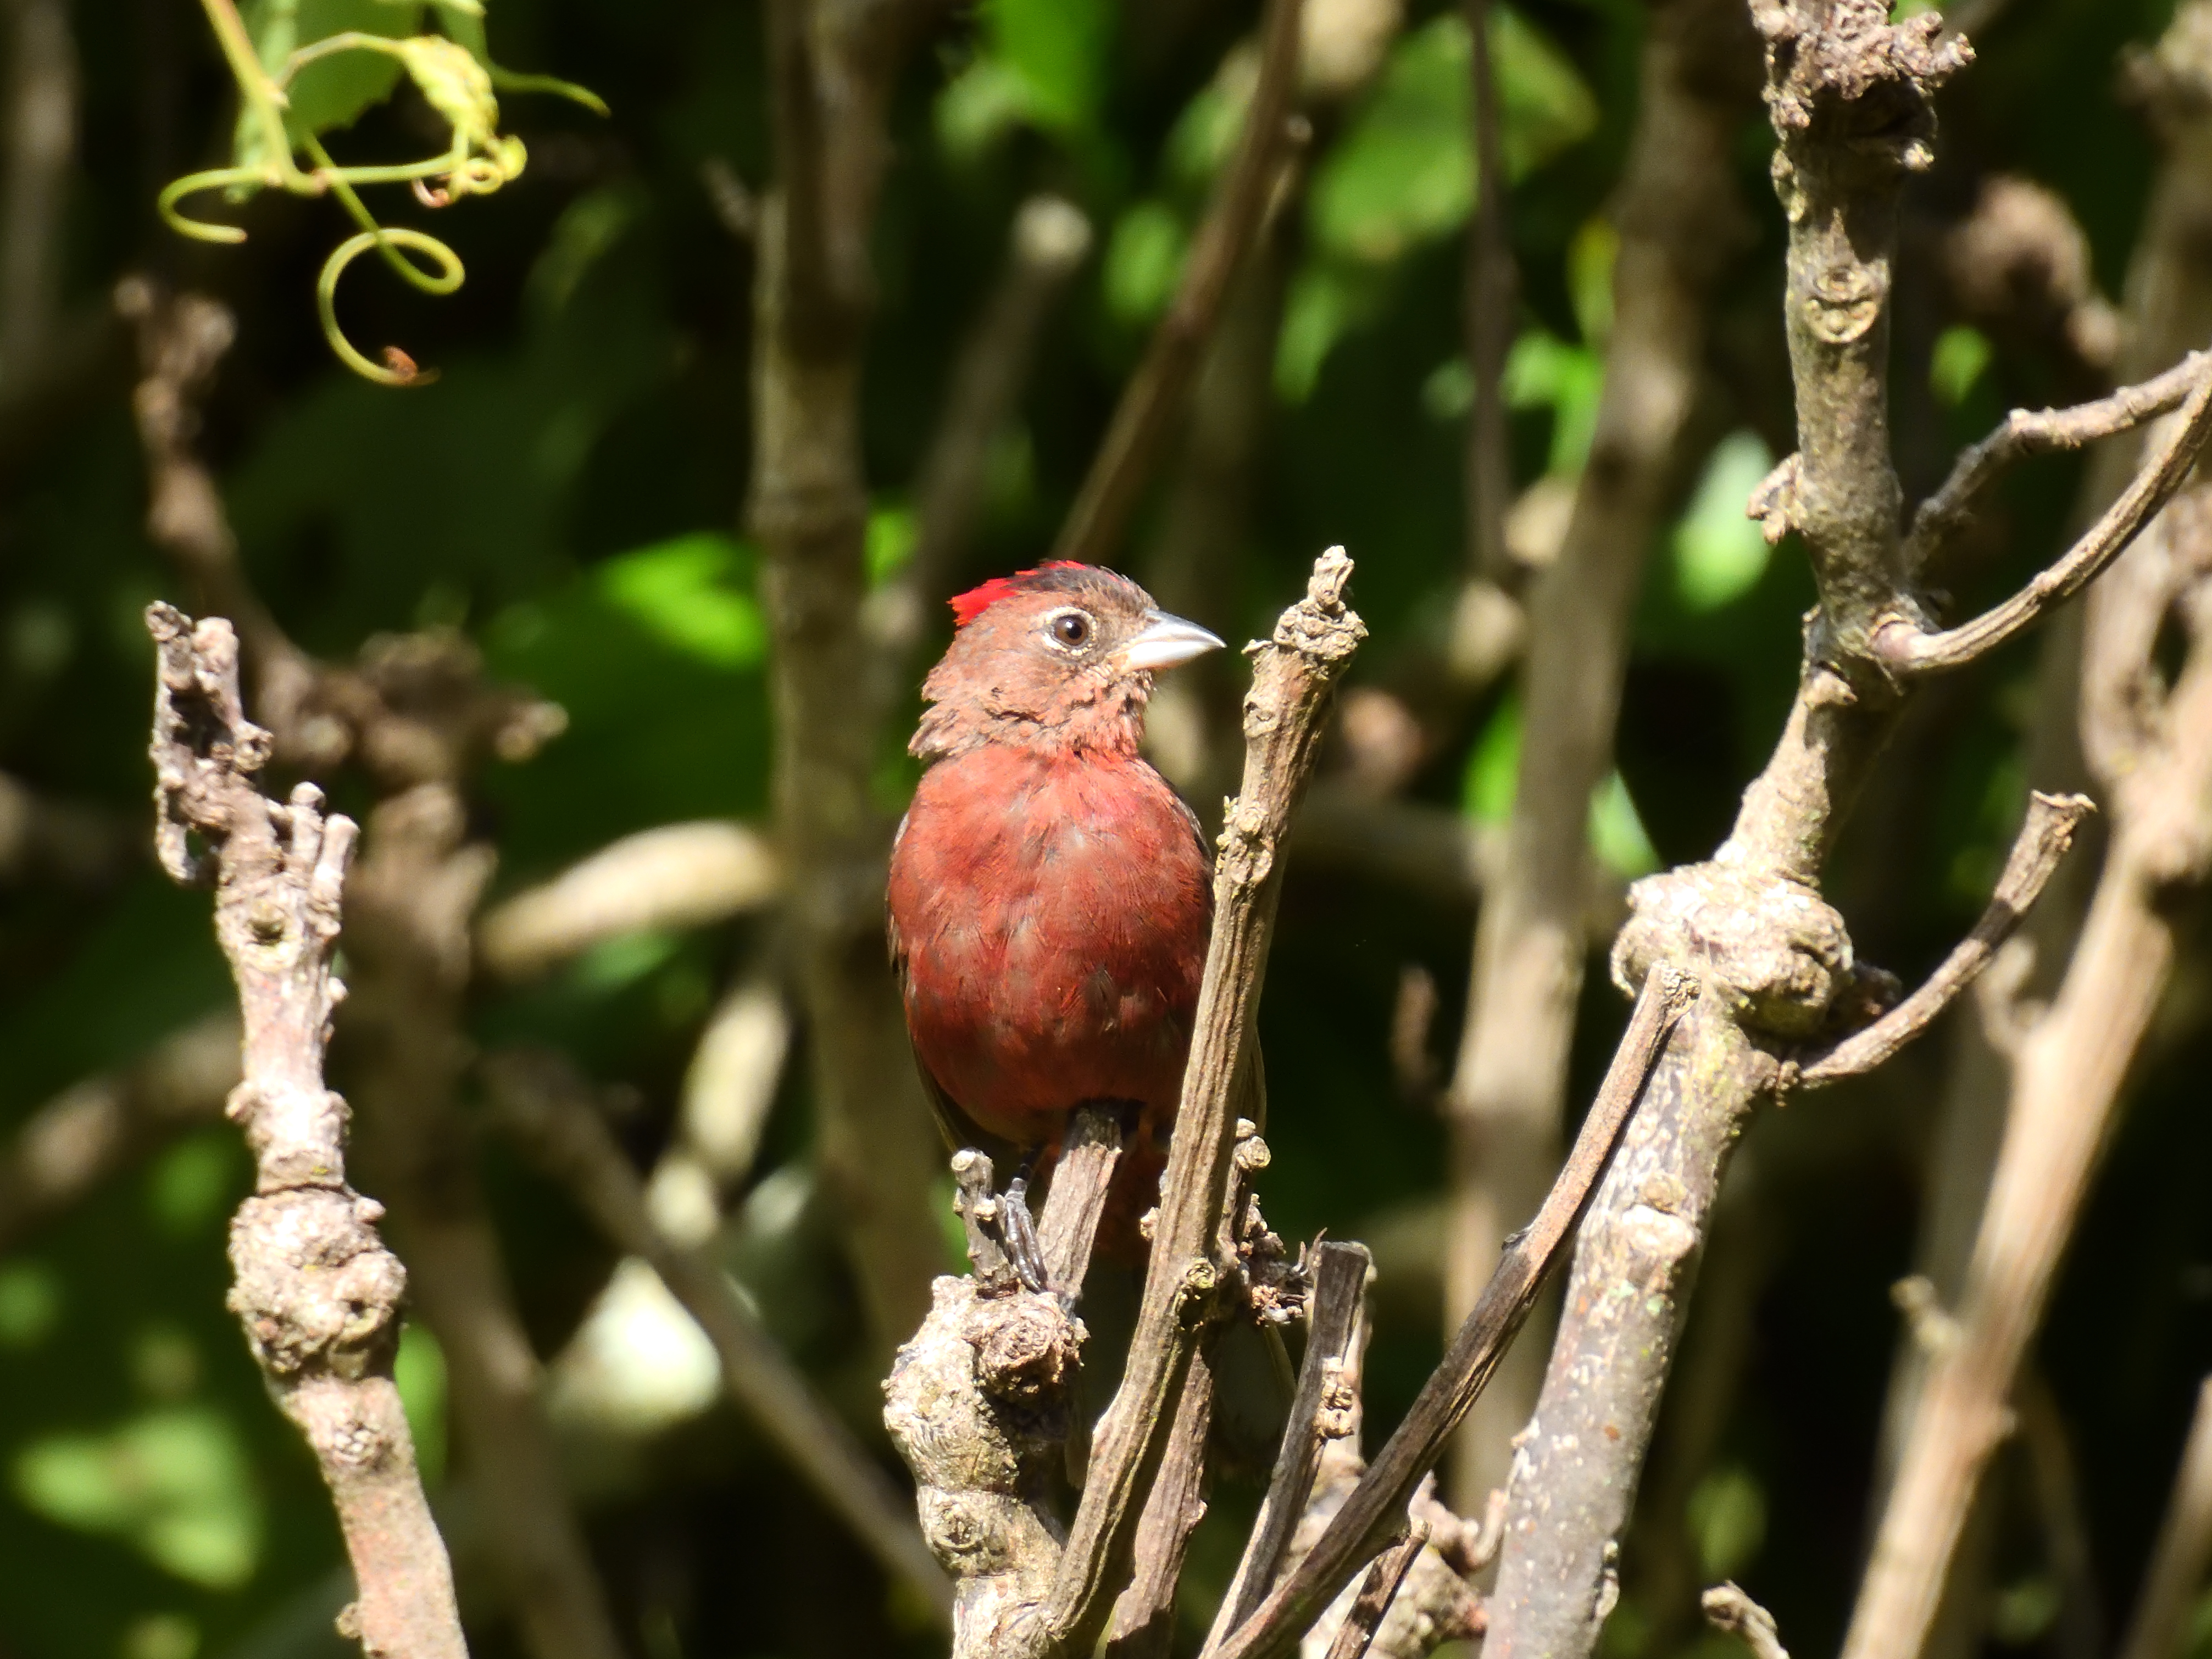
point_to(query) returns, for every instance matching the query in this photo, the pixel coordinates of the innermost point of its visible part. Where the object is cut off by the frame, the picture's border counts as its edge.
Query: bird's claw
(1017, 1233)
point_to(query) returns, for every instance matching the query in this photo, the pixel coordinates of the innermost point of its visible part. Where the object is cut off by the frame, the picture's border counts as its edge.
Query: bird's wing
(959, 1129)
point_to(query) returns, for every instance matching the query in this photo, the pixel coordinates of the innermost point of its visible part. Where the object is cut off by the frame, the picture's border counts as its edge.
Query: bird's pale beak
(1165, 642)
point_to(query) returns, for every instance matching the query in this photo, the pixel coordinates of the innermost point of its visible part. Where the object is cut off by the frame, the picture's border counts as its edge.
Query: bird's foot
(1017, 1233)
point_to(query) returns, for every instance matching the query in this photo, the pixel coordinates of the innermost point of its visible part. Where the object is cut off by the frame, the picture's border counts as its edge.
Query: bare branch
(83, 1136)
(2043, 841)
(2066, 1086)
(1339, 1282)
(548, 1109)
(680, 875)
(1082, 1179)
(1143, 1624)
(1729, 1611)
(1906, 649)
(2184, 1549)
(1848, 95)
(1357, 1631)
(316, 1291)
(1369, 1516)
(1944, 515)
(416, 709)
(1292, 676)
(1153, 397)
(1679, 220)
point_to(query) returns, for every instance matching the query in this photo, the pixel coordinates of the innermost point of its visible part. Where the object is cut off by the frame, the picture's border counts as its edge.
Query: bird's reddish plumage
(1050, 895)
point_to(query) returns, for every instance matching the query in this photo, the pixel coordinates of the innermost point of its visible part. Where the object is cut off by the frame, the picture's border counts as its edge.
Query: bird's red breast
(1050, 909)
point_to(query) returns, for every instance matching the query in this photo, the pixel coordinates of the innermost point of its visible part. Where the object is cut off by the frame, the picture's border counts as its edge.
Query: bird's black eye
(1071, 628)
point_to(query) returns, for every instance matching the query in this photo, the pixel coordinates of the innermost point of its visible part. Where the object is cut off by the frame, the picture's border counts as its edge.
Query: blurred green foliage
(569, 496)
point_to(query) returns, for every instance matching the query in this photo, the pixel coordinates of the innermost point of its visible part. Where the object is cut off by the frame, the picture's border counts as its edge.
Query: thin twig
(2043, 841)
(1340, 1281)
(2184, 1549)
(1365, 1522)
(316, 1291)
(1293, 674)
(1153, 397)
(1906, 650)
(76, 1141)
(1944, 515)
(1728, 1610)
(548, 1110)
(1357, 1631)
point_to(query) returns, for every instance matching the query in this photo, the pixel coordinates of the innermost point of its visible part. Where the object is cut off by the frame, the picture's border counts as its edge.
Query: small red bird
(1050, 893)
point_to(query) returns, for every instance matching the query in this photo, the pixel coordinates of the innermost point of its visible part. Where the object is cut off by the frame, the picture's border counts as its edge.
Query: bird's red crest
(966, 607)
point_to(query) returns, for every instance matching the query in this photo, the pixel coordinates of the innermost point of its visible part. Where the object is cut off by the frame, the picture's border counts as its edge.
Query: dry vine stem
(316, 1291)
(978, 1400)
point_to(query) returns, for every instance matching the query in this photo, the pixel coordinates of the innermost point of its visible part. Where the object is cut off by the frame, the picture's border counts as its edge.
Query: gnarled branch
(316, 1289)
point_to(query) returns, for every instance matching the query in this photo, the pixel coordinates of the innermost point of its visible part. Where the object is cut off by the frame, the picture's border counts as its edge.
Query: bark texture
(314, 1287)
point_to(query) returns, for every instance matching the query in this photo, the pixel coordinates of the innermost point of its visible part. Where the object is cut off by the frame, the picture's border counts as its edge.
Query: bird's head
(1061, 657)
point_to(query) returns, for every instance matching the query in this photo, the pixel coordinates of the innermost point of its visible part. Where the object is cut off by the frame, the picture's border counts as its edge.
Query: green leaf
(30, 1302)
(1325, 303)
(1043, 64)
(1494, 767)
(1205, 134)
(1728, 1518)
(892, 533)
(1404, 171)
(1615, 830)
(1544, 372)
(1720, 553)
(684, 592)
(1143, 261)
(1617, 837)
(418, 1371)
(332, 92)
(1956, 363)
(174, 1483)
